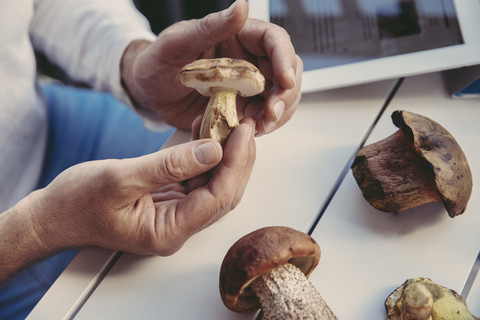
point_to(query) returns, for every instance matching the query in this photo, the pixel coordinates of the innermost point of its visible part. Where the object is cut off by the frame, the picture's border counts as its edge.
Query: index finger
(187, 40)
(266, 39)
(203, 206)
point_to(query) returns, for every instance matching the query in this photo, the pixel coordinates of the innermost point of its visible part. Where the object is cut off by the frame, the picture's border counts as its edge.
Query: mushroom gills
(285, 293)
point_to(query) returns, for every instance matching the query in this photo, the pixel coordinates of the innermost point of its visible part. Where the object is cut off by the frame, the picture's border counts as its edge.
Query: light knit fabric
(86, 38)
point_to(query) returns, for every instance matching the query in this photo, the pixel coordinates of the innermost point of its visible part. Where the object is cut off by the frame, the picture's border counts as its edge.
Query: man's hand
(150, 71)
(146, 205)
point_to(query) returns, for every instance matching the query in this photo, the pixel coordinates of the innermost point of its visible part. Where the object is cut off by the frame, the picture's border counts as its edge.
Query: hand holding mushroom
(145, 205)
(150, 70)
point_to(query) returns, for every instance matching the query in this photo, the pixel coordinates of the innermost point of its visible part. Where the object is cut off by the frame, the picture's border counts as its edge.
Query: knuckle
(229, 204)
(167, 246)
(282, 31)
(279, 33)
(299, 63)
(169, 250)
(108, 176)
(173, 168)
(204, 26)
(149, 243)
(234, 203)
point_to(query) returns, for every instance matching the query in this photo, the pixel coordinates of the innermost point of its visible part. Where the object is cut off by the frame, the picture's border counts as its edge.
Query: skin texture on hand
(146, 205)
(150, 71)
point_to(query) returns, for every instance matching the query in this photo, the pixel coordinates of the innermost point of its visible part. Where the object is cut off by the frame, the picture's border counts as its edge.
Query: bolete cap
(241, 75)
(447, 303)
(257, 253)
(444, 156)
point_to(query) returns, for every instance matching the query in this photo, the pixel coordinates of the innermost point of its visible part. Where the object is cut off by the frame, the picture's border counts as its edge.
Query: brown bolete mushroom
(221, 79)
(419, 164)
(422, 299)
(268, 269)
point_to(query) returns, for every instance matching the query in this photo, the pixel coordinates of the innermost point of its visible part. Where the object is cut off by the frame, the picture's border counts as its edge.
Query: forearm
(23, 239)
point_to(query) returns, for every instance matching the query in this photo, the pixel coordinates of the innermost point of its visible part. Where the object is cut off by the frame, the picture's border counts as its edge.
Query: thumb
(205, 33)
(174, 164)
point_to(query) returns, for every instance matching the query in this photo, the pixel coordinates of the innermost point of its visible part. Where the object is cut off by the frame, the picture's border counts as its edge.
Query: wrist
(127, 73)
(25, 239)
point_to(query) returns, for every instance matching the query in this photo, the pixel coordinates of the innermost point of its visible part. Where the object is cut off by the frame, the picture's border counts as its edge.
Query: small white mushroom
(268, 268)
(221, 79)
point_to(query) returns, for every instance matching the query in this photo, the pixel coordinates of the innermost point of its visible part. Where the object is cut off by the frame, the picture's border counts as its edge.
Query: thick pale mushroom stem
(417, 302)
(220, 117)
(285, 293)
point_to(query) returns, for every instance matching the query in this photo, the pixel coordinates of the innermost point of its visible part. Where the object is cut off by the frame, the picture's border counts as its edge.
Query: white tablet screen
(346, 42)
(328, 33)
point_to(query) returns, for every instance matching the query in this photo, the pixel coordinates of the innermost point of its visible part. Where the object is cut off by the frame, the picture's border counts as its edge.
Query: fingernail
(291, 74)
(206, 153)
(257, 133)
(253, 129)
(229, 11)
(278, 108)
(268, 125)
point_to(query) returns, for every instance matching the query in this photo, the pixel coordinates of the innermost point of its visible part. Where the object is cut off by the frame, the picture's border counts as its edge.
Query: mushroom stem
(392, 176)
(417, 302)
(285, 293)
(221, 114)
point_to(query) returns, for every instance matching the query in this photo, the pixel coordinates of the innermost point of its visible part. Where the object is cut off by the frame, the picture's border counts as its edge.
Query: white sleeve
(87, 38)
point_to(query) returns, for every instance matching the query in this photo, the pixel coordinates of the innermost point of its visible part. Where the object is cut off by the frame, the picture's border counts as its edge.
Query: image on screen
(327, 33)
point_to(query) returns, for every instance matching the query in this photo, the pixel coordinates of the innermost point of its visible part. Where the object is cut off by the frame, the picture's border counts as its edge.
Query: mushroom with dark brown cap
(221, 79)
(419, 164)
(268, 269)
(423, 299)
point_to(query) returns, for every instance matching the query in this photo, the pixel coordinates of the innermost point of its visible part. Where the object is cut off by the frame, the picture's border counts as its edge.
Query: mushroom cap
(238, 74)
(442, 153)
(447, 303)
(257, 253)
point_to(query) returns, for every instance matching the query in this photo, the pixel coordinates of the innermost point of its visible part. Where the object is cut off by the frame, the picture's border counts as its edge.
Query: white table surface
(365, 253)
(473, 299)
(368, 253)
